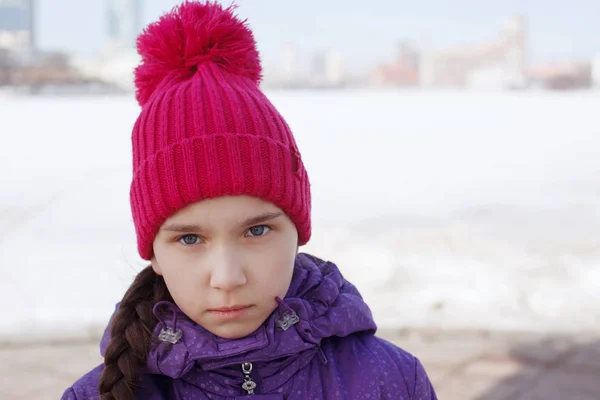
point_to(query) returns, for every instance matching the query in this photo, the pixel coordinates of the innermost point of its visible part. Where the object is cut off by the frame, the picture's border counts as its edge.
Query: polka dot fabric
(331, 353)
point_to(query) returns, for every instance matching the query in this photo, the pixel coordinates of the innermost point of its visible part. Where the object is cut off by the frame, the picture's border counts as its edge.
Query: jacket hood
(319, 304)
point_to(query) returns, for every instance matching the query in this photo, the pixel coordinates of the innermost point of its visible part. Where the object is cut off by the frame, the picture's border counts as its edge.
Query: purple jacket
(328, 352)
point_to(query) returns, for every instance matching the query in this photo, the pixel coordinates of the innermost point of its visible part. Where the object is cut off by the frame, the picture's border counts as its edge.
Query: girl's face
(228, 252)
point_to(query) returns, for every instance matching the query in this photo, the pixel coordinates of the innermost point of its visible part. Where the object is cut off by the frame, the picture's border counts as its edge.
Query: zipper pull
(249, 385)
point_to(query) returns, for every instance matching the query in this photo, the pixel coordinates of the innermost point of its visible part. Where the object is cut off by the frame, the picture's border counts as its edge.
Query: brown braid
(131, 333)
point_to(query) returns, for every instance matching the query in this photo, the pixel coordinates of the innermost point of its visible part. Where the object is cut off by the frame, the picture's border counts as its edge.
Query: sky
(365, 32)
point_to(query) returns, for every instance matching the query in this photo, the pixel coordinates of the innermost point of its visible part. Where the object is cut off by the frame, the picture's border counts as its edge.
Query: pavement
(461, 365)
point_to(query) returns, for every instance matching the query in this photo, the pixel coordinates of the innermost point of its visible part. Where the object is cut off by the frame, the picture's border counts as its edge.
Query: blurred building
(113, 68)
(42, 72)
(116, 64)
(573, 75)
(301, 69)
(500, 63)
(327, 69)
(334, 68)
(403, 71)
(290, 63)
(595, 72)
(21, 65)
(17, 25)
(123, 23)
(289, 72)
(29, 70)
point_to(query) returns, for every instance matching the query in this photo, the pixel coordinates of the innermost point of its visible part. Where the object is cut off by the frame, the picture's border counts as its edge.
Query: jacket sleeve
(69, 394)
(408, 373)
(423, 388)
(86, 387)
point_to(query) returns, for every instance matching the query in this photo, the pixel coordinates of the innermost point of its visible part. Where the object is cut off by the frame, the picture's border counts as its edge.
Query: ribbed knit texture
(212, 135)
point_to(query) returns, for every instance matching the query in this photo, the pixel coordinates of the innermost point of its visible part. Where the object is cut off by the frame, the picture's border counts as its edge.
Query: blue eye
(189, 240)
(259, 230)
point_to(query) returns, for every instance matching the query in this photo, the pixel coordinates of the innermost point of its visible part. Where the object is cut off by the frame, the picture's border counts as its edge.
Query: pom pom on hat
(191, 34)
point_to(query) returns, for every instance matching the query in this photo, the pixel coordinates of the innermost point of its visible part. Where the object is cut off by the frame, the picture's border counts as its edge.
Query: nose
(228, 272)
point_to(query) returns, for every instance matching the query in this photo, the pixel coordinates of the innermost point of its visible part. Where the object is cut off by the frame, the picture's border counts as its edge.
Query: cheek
(186, 292)
(182, 279)
(276, 273)
(176, 285)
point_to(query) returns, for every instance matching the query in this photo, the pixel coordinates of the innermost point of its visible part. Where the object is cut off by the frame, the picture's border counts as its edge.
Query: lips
(229, 309)
(232, 313)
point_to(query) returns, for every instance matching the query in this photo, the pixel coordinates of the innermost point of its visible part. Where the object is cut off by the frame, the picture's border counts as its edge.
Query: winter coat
(319, 343)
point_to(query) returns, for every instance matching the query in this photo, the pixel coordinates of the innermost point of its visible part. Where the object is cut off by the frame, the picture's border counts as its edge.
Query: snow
(446, 209)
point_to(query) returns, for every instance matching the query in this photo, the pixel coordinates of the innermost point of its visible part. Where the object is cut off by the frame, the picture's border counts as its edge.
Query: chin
(233, 331)
(231, 335)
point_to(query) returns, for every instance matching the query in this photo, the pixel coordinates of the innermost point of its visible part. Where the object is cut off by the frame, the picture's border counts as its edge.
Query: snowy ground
(446, 209)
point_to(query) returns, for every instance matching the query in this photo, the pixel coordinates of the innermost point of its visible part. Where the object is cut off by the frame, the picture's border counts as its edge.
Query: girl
(220, 198)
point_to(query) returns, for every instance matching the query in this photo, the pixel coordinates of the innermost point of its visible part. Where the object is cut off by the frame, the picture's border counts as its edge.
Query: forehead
(224, 211)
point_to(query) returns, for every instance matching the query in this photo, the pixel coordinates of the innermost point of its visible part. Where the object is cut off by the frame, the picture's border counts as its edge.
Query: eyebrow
(259, 219)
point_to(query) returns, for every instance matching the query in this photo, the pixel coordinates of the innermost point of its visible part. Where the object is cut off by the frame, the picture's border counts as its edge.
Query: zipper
(249, 385)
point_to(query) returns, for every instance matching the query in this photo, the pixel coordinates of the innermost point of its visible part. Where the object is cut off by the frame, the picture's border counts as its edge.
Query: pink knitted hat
(205, 129)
